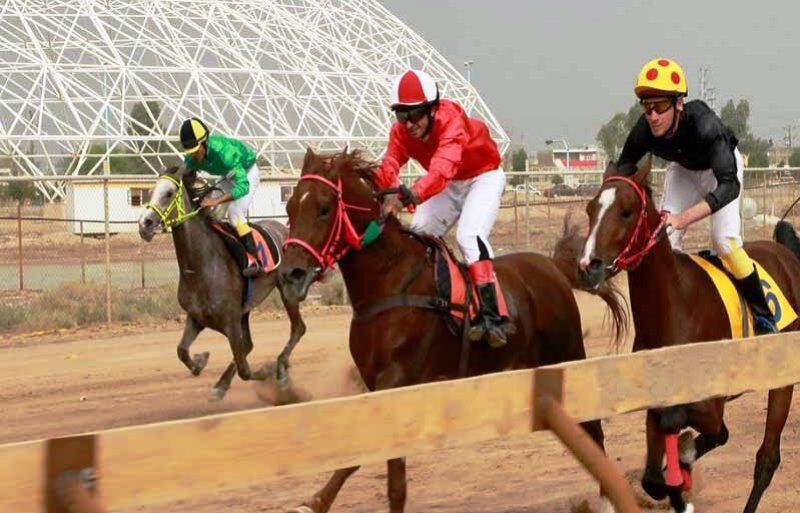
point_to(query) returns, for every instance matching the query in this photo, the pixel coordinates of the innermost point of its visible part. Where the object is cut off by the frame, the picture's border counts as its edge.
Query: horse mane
(356, 162)
(565, 256)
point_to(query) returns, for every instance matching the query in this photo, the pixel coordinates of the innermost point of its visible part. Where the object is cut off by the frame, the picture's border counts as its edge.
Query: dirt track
(93, 380)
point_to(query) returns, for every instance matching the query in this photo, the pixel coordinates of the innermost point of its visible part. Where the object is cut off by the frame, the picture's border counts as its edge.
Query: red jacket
(458, 147)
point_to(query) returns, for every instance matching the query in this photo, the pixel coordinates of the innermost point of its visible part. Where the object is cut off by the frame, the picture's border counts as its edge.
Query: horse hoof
(689, 509)
(199, 363)
(217, 394)
(657, 490)
(301, 509)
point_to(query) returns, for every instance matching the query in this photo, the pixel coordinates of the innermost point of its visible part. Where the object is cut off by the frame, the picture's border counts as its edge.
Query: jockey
(704, 175)
(464, 183)
(223, 156)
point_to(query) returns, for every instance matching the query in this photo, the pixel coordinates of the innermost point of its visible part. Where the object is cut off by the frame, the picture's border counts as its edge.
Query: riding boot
(249, 243)
(753, 293)
(488, 324)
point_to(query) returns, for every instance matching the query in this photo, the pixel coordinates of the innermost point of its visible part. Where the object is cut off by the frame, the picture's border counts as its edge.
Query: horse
(396, 337)
(673, 301)
(211, 289)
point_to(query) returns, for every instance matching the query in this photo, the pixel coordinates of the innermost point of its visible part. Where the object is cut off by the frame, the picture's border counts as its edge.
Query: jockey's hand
(392, 205)
(209, 202)
(407, 196)
(677, 222)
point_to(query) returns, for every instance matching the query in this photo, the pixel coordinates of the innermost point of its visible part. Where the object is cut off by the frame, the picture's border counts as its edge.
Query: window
(138, 197)
(286, 193)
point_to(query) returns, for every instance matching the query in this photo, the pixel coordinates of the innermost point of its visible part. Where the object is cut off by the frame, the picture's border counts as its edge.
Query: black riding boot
(489, 323)
(754, 295)
(249, 244)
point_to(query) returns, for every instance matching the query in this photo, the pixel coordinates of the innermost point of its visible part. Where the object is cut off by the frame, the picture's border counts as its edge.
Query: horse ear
(643, 172)
(611, 170)
(309, 157)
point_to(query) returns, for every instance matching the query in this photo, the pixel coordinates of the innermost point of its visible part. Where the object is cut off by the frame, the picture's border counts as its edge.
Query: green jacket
(226, 156)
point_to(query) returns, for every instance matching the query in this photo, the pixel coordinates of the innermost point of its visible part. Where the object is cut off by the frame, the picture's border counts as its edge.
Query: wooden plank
(171, 460)
(604, 387)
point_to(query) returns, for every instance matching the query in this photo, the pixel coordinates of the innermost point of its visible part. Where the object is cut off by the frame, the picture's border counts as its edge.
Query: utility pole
(707, 93)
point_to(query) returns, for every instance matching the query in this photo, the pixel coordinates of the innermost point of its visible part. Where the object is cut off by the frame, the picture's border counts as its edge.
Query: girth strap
(407, 301)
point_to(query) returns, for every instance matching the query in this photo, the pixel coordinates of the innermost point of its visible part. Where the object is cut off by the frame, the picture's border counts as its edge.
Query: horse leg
(595, 430)
(653, 478)
(223, 384)
(297, 331)
(241, 345)
(191, 329)
(769, 454)
(707, 418)
(396, 484)
(322, 501)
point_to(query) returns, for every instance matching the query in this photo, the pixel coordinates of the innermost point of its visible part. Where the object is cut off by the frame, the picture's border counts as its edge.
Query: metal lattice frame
(281, 75)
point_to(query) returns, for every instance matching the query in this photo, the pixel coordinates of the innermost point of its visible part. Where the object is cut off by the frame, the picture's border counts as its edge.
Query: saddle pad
(269, 254)
(741, 320)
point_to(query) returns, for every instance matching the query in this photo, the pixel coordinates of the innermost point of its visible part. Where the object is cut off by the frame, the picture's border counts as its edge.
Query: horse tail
(785, 235)
(565, 257)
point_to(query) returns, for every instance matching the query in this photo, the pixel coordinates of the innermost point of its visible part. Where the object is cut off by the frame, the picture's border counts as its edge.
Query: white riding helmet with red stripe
(414, 88)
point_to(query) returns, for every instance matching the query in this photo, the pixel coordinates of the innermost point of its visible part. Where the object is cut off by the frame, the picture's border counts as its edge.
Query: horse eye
(324, 211)
(627, 213)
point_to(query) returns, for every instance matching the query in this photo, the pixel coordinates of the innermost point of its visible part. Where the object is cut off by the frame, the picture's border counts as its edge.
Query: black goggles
(413, 115)
(660, 106)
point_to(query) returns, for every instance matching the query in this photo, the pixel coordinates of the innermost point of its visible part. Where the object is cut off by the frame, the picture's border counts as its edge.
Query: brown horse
(333, 205)
(674, 302)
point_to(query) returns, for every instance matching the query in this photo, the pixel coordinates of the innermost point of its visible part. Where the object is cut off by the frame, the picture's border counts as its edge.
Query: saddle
(455, 294)
(740, 317)
(269, 254)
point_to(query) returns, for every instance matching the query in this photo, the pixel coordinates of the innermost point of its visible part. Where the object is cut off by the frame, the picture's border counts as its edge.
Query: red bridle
(342, 237)
(629, 258)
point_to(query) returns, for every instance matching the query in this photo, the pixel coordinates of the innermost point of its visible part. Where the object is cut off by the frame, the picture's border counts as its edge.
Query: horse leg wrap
(674, 477)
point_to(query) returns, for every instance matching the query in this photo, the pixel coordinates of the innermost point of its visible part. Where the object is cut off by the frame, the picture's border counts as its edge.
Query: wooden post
(108, 251)
(516, 220)
(19, 245)
(83, 258)
(144, 248)
(765, 198)
(527, 215)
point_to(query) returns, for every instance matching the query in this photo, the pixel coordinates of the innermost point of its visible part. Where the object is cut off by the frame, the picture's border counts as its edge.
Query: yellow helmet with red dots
(661, 77)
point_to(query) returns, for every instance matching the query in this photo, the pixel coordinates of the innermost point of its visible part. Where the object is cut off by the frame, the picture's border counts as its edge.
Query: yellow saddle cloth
(739, 315)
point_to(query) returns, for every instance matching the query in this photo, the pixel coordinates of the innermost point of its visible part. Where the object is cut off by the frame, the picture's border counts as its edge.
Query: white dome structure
(91, 81)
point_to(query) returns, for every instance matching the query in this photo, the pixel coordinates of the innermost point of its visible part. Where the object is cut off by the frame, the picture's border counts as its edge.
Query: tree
(612, 135)
(20, 191)
(794, 158)
(556, 179)
(758, 159)
(519, 160)
(737, 118)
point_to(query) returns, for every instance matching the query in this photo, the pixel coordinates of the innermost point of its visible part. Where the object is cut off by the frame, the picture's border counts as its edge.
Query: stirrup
(764, 326)
(251, 270)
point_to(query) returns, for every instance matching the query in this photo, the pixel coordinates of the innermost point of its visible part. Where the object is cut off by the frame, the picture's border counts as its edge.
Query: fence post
(19, 245)
(144, 248)
(83, 258)
(516, 220)
(765, 198)
(527, 214)
(108, 250)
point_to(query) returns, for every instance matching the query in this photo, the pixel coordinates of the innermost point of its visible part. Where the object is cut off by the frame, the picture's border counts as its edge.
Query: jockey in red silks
(464, 183)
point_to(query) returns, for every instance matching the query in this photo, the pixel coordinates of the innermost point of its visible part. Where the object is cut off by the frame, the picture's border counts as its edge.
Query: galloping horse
(673, 301)
(395, 340)
(211, 288)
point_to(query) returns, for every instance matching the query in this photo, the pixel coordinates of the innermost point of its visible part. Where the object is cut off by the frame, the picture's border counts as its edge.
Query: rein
(642, 237)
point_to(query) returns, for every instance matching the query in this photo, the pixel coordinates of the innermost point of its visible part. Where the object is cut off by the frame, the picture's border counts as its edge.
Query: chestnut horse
(674, 302)
(335, 216)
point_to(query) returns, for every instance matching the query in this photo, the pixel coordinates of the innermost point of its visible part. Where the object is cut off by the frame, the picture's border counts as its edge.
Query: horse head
(170, 201)
(621, 218)
(331, 210)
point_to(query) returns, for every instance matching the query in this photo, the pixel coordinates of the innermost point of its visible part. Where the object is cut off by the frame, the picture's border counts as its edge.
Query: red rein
(641, 237)
(343, 235)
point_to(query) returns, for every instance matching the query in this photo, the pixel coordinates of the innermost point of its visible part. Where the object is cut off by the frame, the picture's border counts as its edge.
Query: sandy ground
(87, 380)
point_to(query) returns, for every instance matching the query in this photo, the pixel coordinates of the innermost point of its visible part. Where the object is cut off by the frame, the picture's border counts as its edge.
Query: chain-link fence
(47, 246)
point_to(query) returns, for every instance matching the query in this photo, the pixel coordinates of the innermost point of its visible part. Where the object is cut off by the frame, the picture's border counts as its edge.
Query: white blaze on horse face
(607, 507)
(160, 191)
(302, 198)
(607, 198)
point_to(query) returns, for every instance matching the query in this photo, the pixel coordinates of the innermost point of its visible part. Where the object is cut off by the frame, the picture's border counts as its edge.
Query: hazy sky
(562, 68)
